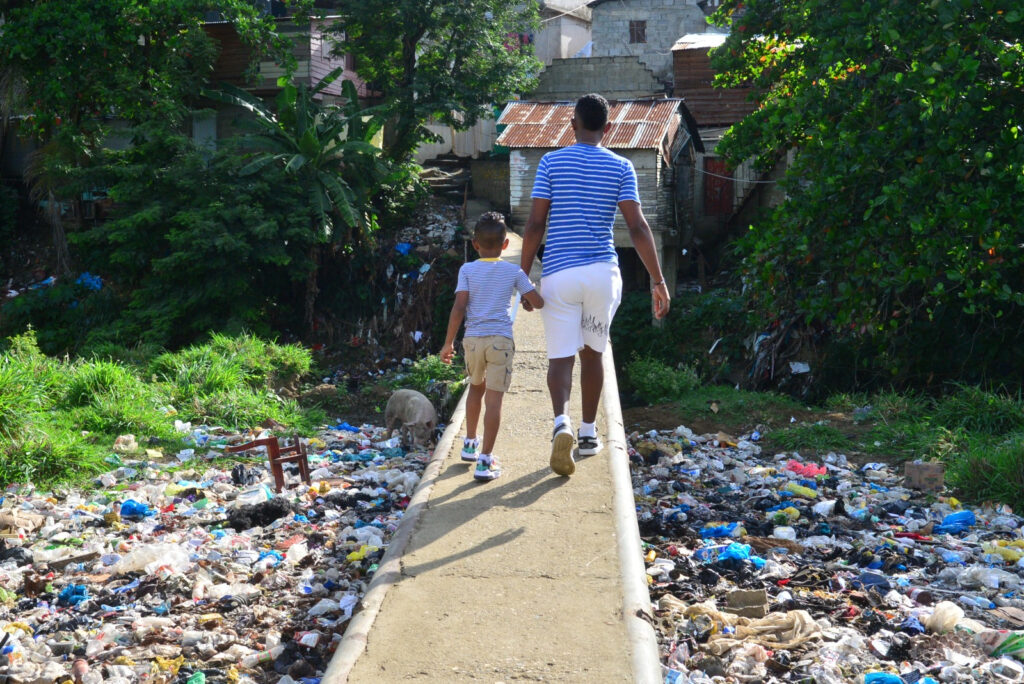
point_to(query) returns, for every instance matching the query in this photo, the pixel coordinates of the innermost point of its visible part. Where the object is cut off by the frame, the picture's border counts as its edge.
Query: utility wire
(738, 180)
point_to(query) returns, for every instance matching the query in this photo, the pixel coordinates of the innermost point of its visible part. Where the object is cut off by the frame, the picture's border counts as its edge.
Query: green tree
(72, 66)
(900, 229)
(327, 150)
(79, 61)
(446, 59)
(192, 245)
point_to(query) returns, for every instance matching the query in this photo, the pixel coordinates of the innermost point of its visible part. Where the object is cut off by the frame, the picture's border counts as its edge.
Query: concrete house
(647, 30)
(656, 135)
(564, 32)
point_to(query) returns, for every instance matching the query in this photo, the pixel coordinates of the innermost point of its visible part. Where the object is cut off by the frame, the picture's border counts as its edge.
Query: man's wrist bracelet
(655, 285)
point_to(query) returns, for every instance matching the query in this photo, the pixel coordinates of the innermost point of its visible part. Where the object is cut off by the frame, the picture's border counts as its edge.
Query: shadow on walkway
(518, 493)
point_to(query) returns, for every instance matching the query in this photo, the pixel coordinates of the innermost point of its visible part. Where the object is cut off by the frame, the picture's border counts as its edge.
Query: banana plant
(327, 148)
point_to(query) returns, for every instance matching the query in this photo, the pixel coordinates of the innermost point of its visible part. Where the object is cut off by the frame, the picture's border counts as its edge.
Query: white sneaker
(470, 450)
(589, 445)
(487, 468)
(561, 450)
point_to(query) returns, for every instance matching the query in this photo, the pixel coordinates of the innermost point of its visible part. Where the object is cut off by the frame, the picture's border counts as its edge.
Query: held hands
(527, 306)
(660, 300)
(447, 352)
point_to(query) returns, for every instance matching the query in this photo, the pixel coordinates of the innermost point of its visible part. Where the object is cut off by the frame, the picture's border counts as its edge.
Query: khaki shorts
(490, 359)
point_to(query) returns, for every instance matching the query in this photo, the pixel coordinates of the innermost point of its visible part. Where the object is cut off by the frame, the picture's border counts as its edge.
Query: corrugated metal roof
(636, 124)
(704, 41)
(718, 106)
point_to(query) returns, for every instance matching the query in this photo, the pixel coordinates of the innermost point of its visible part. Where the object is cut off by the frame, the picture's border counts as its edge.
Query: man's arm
(533, 233)
(536, 226)
(643, 241)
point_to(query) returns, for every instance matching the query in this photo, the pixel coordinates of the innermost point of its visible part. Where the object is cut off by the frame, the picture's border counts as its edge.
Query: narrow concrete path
(516, 579)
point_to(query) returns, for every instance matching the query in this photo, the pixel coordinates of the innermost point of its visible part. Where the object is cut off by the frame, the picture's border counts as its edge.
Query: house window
(638, 32)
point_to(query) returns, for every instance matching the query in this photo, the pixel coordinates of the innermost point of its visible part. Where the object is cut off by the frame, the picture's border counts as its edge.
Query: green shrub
(732, 405)
(817, 437)
(225, 381)
(427, 370)
(694, 324)
(18, 397)
(92, 379)
(657, 382)
(976, 410)
(983, 469)
(58, 418)
(49, 456)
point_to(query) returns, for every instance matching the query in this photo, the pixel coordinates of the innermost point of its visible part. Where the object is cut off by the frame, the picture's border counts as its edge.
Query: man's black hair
(592, 112)
(490, 230)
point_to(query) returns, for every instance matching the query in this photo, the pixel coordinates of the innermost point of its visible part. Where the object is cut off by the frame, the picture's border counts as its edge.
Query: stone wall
(617, 78)
(667, 21)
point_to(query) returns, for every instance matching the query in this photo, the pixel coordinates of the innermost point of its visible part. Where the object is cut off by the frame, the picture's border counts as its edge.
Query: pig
(413, 414)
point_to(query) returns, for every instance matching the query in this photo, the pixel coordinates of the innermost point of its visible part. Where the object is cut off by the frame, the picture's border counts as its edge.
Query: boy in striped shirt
(483, 297)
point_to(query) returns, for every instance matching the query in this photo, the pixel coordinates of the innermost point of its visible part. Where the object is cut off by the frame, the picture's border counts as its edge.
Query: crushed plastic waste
(775, 568)
(189, 573)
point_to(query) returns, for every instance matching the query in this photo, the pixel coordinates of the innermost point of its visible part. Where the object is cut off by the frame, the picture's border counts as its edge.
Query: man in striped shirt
(575, 194)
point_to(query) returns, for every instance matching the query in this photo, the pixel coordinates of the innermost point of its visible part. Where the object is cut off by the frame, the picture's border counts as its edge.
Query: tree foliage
(80, 60)
(327, 150)
(452, 60)
(900, 229)
(193, 246)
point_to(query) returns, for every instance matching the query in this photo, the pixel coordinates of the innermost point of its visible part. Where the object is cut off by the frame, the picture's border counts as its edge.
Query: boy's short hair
(490, 230)
(592, 112)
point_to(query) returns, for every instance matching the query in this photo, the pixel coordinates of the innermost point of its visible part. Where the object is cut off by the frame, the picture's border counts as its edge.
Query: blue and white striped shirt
(490, 285)
(585, 183)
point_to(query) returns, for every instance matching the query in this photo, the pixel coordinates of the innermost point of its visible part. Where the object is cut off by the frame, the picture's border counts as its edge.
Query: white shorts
(579, 304)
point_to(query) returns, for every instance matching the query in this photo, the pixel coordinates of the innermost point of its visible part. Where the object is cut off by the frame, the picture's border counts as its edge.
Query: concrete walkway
(516, 579)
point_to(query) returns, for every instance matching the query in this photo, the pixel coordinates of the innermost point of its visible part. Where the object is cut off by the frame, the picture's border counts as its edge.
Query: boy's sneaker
(561, 450)
(470, 450)
(589, 445)
(487, 468)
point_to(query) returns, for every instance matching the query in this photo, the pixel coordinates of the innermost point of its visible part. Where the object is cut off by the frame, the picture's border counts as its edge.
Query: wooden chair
(278, 455)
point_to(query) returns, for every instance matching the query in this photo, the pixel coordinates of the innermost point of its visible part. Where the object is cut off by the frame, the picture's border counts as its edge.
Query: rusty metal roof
(636, 124)
(718, 106)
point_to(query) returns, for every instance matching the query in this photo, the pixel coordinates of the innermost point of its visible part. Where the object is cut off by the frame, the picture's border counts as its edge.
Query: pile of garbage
(192, 568)
(776, 568)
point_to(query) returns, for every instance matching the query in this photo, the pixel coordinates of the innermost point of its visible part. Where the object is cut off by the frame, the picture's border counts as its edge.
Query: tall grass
(657, 382)
(59, 418)
(817, 436)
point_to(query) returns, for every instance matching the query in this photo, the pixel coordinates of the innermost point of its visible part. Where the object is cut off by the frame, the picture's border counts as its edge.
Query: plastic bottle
(976, 602)
(268, 656)
(950, 556)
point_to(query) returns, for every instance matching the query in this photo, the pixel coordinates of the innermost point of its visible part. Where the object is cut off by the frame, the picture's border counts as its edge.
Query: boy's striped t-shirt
(585, 183)
(491, 285)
